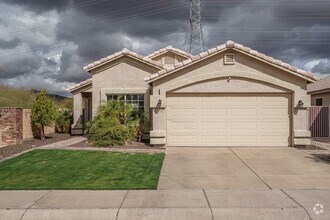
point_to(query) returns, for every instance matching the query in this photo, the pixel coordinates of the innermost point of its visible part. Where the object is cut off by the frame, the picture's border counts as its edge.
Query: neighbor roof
(320, 85)
(80, 85)
(238, 47)
(124, 52)
(167, 49)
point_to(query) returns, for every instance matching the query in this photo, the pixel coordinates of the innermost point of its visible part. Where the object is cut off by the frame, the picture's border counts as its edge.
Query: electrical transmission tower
(195, 38)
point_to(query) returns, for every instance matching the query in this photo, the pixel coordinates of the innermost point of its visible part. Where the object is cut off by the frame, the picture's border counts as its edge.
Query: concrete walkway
(242, 168)
(166, 204)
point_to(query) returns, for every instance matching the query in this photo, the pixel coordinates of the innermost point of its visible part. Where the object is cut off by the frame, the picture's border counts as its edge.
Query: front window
(319, 102)
(137, 100)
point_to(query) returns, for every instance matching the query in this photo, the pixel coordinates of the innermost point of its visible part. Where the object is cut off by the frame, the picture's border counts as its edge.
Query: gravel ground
(128, 145)
(31, 143)
(325, 157)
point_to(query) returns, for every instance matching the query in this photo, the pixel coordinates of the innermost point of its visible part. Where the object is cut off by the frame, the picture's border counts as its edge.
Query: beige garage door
(228, 120)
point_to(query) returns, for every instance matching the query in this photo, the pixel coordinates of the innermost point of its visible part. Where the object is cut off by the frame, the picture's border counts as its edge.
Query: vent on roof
(229, 59)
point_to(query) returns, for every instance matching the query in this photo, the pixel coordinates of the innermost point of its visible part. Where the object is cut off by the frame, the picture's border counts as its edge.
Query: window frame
(129, 98)
(318, 99)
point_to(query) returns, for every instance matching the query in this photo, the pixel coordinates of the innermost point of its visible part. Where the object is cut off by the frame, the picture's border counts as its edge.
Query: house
(230, 95)
(320, 92)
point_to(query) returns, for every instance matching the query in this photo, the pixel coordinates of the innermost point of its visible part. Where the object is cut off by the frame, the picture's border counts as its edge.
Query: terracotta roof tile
(118, 54)
(79, 85)
(169, 48)
(239, 47)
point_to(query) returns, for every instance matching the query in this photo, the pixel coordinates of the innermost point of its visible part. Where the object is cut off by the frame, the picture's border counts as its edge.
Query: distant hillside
(52, 96)
(22, 97)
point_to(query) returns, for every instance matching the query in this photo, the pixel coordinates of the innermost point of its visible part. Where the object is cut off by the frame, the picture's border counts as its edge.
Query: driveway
(242, 168)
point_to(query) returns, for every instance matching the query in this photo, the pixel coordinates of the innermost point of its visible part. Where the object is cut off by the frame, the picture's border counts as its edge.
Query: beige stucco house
(320, 92)
(230, 95)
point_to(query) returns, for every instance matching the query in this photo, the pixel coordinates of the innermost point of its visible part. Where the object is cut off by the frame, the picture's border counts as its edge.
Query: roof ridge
(169, 48)
(114, 56)
(231, 45)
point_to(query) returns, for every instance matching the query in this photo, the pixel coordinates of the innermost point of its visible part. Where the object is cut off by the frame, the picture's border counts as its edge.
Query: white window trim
(128, 101)
(119, 91)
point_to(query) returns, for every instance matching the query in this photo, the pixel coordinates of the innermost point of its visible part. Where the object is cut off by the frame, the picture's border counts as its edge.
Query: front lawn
(65, 169)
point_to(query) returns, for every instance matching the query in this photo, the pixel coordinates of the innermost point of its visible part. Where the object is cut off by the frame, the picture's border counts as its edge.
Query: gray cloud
(322, 67)
(9, 44)
(53, 40)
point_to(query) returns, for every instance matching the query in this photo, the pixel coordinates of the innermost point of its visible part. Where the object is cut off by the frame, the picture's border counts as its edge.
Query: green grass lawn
(65, 169)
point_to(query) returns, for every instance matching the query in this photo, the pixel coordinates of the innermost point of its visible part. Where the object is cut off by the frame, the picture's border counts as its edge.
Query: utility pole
(195, 39)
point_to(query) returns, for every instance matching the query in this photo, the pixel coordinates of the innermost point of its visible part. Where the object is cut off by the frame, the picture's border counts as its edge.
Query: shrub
(63, 120)
(43, 112)
(115, 123)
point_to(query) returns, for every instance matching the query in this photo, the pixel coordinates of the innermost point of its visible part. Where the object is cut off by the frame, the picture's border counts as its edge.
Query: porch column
(77, 126)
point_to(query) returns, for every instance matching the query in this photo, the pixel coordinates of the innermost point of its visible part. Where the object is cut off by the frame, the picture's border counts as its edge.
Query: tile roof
(322, 84)
(80, 85)
(169, 48)
(223, 47)
(124, 52)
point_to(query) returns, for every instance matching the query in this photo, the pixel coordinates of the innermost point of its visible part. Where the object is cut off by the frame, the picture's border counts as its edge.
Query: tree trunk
(42, 132)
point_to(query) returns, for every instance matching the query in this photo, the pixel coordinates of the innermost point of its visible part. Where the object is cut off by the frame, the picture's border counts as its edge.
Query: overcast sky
(46, 43)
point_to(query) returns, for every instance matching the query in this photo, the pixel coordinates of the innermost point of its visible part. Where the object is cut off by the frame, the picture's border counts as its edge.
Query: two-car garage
(230, 96)
(229, 119)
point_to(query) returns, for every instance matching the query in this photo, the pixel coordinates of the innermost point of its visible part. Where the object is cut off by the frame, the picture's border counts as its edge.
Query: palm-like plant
(115, 123)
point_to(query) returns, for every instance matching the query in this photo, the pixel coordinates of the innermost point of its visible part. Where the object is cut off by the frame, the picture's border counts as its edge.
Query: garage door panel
(273, 112)
(228, 120)
(182, 125)
(246, 140)
(275, 125)
(244, 125)
(183, 139)
(212, 125)
(213, 112)
(213, 139)
(243, 112)
(183, 112)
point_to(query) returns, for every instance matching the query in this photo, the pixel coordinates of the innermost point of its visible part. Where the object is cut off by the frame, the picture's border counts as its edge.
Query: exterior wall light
(159, 103)
(300, 104)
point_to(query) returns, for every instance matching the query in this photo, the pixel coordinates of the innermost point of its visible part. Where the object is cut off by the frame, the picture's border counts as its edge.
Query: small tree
(43, 112)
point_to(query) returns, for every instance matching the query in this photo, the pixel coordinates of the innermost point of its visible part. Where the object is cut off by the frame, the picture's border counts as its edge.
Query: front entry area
(229, 120)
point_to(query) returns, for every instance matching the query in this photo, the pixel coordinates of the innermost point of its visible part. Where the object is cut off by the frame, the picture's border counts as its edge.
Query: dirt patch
(325, 157)
(128, 145)
(27, 144)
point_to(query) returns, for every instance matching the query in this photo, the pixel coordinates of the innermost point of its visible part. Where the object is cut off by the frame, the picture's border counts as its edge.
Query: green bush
(114, 124)
(63, 120)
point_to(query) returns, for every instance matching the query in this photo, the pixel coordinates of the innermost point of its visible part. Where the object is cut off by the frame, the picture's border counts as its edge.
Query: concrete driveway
(242, 168)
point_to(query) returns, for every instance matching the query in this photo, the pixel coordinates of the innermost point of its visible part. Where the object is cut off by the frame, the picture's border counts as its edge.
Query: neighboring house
(230, 95)
(320, 92)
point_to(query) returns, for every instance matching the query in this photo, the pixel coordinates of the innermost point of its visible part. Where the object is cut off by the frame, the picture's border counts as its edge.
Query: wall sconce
(159, 103)
(300, 104)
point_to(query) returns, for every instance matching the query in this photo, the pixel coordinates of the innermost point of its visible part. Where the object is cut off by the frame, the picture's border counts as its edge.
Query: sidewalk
(166, 204)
